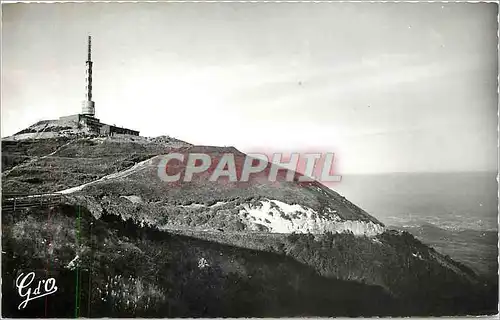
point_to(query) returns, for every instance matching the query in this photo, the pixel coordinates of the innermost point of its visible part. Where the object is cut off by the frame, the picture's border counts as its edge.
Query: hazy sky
(389, 87)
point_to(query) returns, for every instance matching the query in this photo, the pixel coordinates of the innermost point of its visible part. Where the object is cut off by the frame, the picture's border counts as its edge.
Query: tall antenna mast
(88, 106)
(89, 57)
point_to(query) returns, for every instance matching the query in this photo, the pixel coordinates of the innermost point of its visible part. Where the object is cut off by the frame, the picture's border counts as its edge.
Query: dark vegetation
(159, 273)
(126, 271)
(426, 282)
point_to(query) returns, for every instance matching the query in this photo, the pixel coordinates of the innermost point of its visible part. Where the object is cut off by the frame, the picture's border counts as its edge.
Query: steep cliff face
(96, 208)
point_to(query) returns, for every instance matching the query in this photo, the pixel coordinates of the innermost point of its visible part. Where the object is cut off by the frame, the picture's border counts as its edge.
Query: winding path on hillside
(35, 159)
(121, 174)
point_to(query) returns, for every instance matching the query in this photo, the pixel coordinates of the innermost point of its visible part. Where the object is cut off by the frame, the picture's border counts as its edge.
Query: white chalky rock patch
(203, 263)
(72, 264)
(280, 217)
(133, 198)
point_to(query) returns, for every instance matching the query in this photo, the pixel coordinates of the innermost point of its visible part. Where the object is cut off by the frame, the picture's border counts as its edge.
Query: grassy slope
(80, 161)
(200, 190)
(424, 286)
(76, 161)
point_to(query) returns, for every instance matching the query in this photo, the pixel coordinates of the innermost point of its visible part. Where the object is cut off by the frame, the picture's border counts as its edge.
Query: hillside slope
(136, 271)
(144, 247)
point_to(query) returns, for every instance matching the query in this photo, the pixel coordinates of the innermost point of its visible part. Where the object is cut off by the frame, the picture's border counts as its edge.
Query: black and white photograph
(246, 159)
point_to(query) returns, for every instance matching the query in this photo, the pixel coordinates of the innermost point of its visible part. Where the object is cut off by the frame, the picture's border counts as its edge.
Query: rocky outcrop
(280, 217)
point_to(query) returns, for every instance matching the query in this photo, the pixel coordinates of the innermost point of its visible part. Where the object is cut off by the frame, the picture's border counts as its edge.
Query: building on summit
(87, 117)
